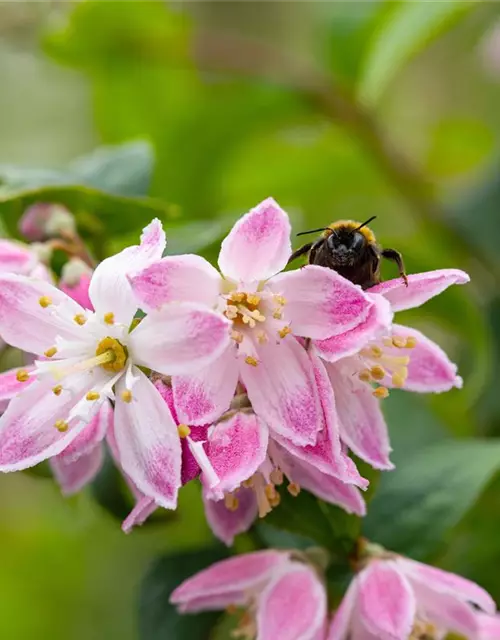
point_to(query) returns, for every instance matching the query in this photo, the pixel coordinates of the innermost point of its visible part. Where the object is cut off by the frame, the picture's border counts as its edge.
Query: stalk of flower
(92, 357)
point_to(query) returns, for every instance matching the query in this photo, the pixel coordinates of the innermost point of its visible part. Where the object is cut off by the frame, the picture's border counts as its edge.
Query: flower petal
(232, 576)
(293, 606)
(140, 513)
(148, 442)
(14, 257)
(180, 339)
(79, 291)
(387, 604)
(92, 435)
(319, 302)
(73, 475)
(185, 278)
(489, 627)
(204, 396)
(362, 424)
(342, 620)
(25, 324)
(282, 390)
(377, 323)
(10, 385)
(227, 524)
(236, 448)
(258, 246)
(421, 287)
(110, 290)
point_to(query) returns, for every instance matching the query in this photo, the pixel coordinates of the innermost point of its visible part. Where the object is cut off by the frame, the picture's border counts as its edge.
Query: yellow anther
(253, 299)
(109, 318)
(237, 297)
(116, 353)
(50, 352)
(57, 390)
(92, 395)
(61, 426)
(380, 392)
(398, 380)
(376, 351)
(231, 502)
(80, 319)
(251, 361)
(45, 301)
(411, 342)
(377, 372)
(277, 315)
(280, 300)
(183, 430)
(399, 342)
(262, 337)
(276, 477)
(270, 491)
(22, 375)
(237, 336)
(248, 483)
(284, 332)
(275, 500)
(127, 395)
(387, 342)
(365, 375)
(293, 489)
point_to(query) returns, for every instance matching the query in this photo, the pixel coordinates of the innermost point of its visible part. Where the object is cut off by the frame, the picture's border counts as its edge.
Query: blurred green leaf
(110, 492)
(159, 620)
(404, 33)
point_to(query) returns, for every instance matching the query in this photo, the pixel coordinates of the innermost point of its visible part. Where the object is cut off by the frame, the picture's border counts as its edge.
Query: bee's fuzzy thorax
(350, 225)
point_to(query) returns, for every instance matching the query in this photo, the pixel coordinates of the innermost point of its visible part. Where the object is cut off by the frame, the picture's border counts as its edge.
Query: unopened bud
(75, 281)
(46, 220)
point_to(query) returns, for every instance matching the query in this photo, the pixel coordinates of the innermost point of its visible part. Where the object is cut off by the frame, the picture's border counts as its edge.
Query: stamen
(61, 426)
(293, 489)
(248, 484)
(284, 332)
(365, 375)
(399, 342)
(377, 372)
(57, 390)
(262, 337)
(398, 379)
(270, 491)
(22, 375)
(45, 301)
(80, 319)
(277, 315)
(253, 299)
(380, 392)
(275, 500)
(109, 318)
(231, 502)
(127, 395)
(92, 395)
(183, 430)
(50, 352)
(280, 300)
(114, 352)
(276, 477)
(237, 336)
(251, 361)
(376, 351)
(237, 297)
(411, 342)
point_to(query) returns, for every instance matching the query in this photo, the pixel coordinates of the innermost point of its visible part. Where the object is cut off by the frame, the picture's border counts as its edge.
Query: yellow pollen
(399, 342)
(380, 392)
(57, 390)
(231, 502)
(183, 430)
(248, 483)
(237, 297)
(377, 372)
(270, 491)
(275, 500)
(251, 361)
(127, 395)
(50, 352)
(253, 299)
(109, 318)
(237, 336)
(92, 395)
(411, 342)
(22, 375)
(376, 351)
(276, 476)
(80, 319)
(280, 300)
(277, 315)
(262, 337)
(116, 354)
(293, 489)
(365, 375)
(61, 426)
(45, 301)
(284, 332)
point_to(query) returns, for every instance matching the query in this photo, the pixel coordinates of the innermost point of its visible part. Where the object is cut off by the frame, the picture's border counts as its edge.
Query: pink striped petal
(140, 513)
(186, 278)
(387, 604)
(25, 324)
(227, 524)
(236, 448)
(377, 323)
(341, 626)
(14, 257)
(148, 442)
(204, 396)
(10, 385)
(421, 287)
(91, 436)
(232, 576)
(74, 475)
(319, 302)
(282, 390)
(110, 290)
(293, 606)
(258, 246)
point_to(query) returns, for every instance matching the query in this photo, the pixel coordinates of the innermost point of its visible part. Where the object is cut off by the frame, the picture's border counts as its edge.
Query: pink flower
(489, 627)
(262, 351)
(44, 220)
(284, 597)
(75, 281)
(394, 597)
(401, 357)
(89, 356)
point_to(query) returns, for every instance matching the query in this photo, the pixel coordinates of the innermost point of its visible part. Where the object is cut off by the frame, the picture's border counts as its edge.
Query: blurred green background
(337, 109)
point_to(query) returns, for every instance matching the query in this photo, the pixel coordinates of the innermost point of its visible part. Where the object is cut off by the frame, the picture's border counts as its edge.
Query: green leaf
(429, 493)
(405, 32)
(159, 620)
(110, 492)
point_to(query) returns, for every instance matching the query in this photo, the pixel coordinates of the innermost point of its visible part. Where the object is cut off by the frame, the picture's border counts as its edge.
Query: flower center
(423, 631)
(111, 354)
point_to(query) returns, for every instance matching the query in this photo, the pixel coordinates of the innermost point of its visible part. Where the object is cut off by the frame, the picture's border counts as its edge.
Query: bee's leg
(300, 252)
(395, 256)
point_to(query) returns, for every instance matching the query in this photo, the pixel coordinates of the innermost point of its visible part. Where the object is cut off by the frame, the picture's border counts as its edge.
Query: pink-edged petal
(236, 448)
(446, 582)
(377, 323)
(225, 523)
(185, 278)
(430, 369)
(140, 513)
(148, 442)
(341, 626)
(258, 246)
(421, 287)
(110, 290)
(489, 627)
(180, 339)
(319, 302)
(282, 390)
(14, 257)
(234, 575)
(387, 604)
(27, 428)
(25, 324)
(214, 603)
(73, 475)
(10, 385)
(203, 397)
(91, 435)
(362, 425)
(293, 606)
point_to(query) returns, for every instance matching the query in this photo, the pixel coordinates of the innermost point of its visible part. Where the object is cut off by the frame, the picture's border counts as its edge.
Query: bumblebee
(350, 249)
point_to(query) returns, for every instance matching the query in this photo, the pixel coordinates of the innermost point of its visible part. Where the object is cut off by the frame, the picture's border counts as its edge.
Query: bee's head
(346, 245)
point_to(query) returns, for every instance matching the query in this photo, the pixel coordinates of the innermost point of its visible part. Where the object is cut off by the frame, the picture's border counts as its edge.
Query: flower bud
(75, 281)
(46, 220)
